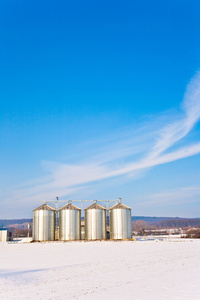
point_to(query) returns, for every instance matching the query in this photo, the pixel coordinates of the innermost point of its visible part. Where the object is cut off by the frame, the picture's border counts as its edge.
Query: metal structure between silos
(120, 222)
(44, 223)
(95, 222)
(69, 223)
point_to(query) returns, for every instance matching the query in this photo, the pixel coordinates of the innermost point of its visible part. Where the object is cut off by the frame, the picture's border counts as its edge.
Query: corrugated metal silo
(120, 222)
(69, 223)
(95, 222)
(44, 223)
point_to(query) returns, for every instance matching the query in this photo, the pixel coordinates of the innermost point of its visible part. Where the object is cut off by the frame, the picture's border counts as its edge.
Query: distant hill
(178, 223)
(160, 222)
(168, 222)
(154, 220)
(15, 222)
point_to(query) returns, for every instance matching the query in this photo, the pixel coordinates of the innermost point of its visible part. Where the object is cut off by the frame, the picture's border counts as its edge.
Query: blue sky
(98, 101)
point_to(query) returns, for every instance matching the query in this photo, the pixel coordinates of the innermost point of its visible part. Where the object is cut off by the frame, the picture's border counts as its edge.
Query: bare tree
(139, 226)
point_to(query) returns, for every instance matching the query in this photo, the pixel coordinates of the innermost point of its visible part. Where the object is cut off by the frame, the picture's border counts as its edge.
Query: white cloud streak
(172, 197)
(66, 179)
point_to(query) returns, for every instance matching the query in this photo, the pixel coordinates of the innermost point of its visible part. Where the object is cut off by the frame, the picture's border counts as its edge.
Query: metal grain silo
(95, 222)
(120, 222)
(69, 223)
(44, 223)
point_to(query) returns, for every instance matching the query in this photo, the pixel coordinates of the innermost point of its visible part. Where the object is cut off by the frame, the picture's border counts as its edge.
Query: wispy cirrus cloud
(176, 131)
(170, 197)
(149, 146)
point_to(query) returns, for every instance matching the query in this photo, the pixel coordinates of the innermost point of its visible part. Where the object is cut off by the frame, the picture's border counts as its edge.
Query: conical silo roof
(94, 206)
(120, 206)
(44, 207)
(70, 206)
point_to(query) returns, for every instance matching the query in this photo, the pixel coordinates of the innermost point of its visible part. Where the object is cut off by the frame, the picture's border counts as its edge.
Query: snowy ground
(101, 270)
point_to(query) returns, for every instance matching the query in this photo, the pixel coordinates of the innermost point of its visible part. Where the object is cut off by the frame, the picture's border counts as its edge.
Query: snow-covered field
(101, 270)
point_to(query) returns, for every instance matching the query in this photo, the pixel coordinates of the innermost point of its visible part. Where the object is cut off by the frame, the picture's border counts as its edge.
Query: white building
(6, 235)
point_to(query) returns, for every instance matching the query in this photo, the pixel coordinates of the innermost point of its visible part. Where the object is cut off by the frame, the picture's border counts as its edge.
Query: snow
(168, 269)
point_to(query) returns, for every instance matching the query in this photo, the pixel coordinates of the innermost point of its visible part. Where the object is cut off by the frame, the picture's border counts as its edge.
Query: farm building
(6, 235)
